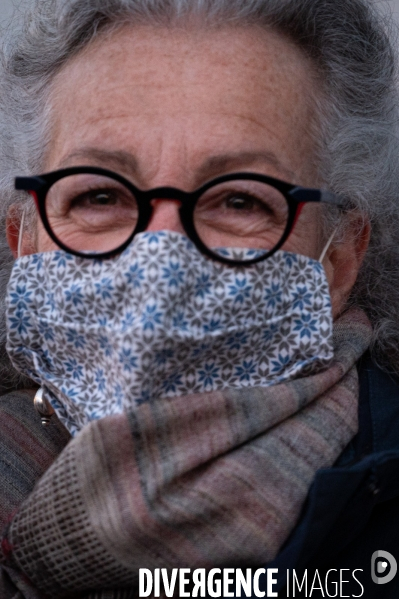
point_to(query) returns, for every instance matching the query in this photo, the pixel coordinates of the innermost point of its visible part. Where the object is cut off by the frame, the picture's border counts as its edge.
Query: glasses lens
(241, 219)
(91, 213)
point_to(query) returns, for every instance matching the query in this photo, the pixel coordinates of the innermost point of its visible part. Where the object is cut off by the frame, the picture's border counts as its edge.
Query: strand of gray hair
(351, 46)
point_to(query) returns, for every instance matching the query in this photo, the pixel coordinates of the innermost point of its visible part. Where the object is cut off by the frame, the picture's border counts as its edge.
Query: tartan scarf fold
(208, 480)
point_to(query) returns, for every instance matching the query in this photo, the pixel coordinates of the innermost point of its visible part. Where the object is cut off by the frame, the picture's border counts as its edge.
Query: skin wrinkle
(237, 89)
(140, 92)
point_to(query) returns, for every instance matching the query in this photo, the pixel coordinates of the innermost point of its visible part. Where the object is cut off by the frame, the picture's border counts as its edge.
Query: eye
(97, 198)
(244, 202)
(241, 202)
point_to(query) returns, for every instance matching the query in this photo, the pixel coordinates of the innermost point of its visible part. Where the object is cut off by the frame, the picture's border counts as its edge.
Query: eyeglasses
(240, 218)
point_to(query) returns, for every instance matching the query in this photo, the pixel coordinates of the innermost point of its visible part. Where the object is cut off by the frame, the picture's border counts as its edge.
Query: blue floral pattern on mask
(162, 320)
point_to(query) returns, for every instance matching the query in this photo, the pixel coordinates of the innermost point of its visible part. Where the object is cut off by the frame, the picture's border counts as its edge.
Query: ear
(344, 259)
(13, 232)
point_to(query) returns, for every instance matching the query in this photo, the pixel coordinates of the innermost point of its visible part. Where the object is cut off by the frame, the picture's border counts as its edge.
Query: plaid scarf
(213, 479)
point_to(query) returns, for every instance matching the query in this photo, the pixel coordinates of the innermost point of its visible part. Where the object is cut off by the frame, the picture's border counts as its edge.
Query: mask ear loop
(21, 234)
(326, 247)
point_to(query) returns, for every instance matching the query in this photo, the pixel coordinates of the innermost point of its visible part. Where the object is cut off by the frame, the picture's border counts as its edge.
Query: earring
(43, 407)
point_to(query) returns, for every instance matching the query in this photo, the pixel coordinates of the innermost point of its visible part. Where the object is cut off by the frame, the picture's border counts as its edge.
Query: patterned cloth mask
(162, 320)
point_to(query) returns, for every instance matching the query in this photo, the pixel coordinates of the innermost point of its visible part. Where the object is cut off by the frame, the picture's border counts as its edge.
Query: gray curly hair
(349, 44)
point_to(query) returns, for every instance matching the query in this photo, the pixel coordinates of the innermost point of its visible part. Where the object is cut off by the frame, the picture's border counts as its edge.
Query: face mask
(161, 320)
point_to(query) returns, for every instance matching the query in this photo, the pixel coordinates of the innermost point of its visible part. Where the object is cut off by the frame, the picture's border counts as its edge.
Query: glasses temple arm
(304, 194)
(29, 183)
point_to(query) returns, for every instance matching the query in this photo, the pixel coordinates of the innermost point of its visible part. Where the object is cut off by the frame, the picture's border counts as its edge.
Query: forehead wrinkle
(161, 164)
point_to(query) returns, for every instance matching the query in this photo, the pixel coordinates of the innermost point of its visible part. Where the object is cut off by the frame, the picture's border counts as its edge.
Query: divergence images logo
(383, 567)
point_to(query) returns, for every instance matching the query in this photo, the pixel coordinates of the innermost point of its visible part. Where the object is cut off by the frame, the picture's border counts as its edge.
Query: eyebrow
(119, 160)
(213, 166)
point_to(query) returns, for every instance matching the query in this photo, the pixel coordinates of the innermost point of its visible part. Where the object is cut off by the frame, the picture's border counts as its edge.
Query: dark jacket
(352, 509)
(351, 512)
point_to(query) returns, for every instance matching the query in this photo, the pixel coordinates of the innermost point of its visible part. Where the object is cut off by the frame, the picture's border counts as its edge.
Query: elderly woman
(206, 291)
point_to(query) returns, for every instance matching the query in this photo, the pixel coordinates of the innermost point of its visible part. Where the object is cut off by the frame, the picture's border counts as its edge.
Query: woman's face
(180, 107)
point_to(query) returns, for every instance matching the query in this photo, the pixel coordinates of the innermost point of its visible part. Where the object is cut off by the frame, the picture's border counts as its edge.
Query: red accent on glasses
(298, 214)
(35, 198)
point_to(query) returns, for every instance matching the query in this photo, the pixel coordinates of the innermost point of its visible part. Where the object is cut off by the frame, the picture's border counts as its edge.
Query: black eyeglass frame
(296, 196)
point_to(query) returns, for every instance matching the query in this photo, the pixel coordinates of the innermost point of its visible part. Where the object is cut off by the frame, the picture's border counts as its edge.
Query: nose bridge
(167, 193)
(165, 202)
